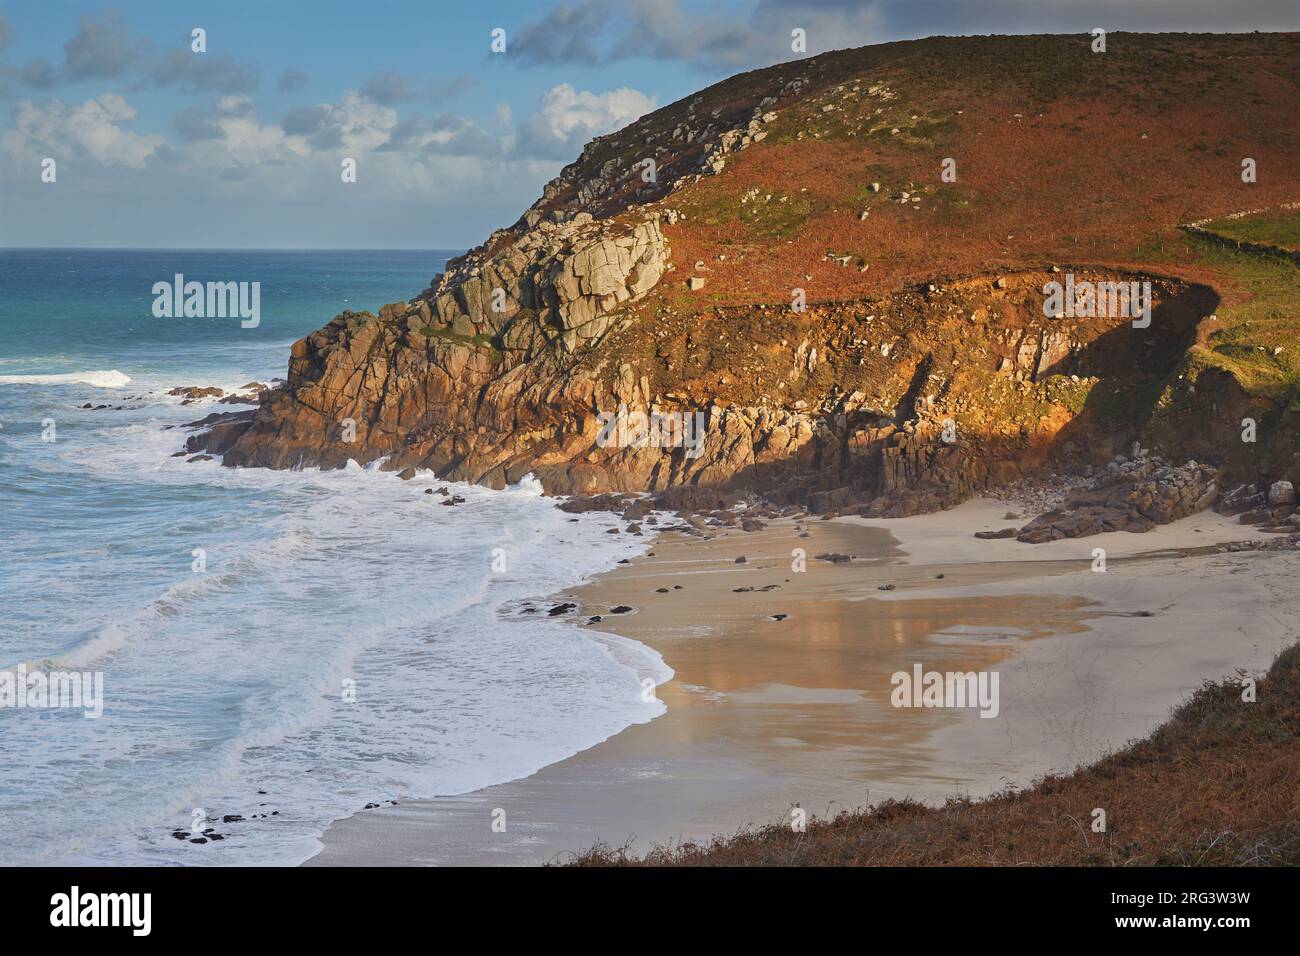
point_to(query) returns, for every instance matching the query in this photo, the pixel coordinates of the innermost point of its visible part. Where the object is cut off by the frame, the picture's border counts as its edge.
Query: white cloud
(566, 118)
(257, 180)
(362, 124)
(94, 129)
(356, 123)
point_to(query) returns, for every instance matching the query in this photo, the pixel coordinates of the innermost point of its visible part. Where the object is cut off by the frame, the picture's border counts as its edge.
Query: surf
(110, 378)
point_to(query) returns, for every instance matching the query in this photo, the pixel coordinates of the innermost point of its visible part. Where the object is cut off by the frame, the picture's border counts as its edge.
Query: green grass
(1063, 390)
(1264, 313)
(763, 220)
(1251, 330)
(1275, 227)
(1255, 340)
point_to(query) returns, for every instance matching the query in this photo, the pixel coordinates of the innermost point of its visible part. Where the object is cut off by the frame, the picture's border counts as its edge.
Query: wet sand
(763, 714)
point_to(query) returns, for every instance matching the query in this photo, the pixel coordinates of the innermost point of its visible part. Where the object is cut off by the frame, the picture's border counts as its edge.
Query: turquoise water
(77, 310)
(344, 640)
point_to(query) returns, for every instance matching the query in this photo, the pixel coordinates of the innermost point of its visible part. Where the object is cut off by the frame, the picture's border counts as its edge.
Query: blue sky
(239, 146)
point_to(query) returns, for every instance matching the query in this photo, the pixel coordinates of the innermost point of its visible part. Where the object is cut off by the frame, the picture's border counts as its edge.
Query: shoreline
(764, 714)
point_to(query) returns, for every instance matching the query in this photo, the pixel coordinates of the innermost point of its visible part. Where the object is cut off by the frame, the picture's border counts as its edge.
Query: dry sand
(765, 714)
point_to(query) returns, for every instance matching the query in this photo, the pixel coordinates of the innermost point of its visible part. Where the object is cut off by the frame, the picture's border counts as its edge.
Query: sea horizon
(178, 557)
(170, 249)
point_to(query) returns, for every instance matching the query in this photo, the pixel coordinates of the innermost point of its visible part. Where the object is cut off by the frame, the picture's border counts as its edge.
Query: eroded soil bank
(934, 394)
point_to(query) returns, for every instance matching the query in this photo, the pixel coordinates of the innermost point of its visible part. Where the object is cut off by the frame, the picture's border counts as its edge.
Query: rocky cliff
(779, 259)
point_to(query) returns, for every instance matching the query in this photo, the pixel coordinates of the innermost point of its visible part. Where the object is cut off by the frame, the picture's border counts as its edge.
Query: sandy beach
(781, 693)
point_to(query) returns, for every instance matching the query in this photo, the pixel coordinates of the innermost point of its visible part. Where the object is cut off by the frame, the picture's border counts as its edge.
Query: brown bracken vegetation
(1217, 785)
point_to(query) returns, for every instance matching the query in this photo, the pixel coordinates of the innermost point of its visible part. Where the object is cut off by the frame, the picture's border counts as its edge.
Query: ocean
(281, 646)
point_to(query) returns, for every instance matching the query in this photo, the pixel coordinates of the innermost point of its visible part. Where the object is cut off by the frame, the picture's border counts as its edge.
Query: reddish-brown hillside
(671, 290)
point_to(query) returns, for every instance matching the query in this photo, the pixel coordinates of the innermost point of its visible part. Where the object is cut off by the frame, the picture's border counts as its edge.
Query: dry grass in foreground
(1217, 785)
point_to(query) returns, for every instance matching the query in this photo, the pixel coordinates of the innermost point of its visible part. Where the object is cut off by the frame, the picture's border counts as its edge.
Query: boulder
(1128, 495)
(1281, 493)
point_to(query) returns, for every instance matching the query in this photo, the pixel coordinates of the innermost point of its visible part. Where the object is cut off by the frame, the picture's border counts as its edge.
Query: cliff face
(472, 377)
(680, 291)
(894, 375)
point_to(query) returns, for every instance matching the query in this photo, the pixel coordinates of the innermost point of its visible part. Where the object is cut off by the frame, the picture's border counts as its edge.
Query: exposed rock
(1129, 495)
(195, 391)
(1289, 543)
(513, 399)
(834, 558)
(1281, 493)
(1240, 499)
(238, 399)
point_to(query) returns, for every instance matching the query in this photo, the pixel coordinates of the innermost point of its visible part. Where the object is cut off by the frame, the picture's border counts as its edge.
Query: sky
(156, 145)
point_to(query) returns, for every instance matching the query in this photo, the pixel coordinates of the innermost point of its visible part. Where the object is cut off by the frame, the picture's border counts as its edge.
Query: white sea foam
(529, 485)
(223, 689)
(101, 379)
